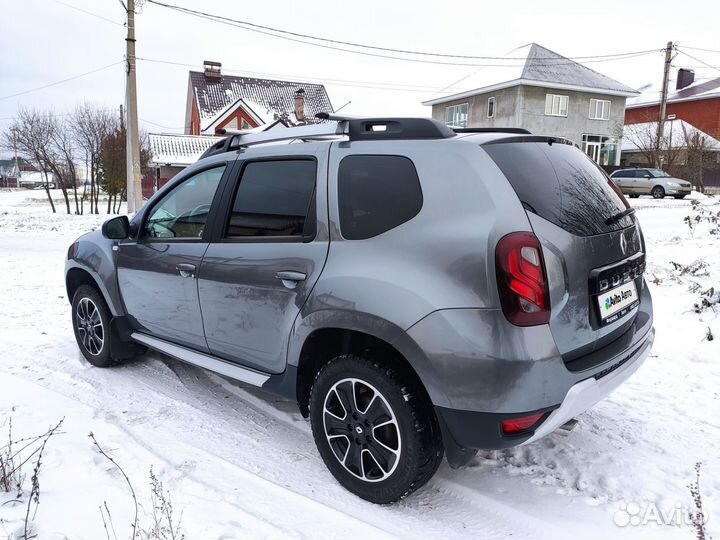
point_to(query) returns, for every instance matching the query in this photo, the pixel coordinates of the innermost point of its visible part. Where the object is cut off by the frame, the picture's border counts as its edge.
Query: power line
(339, 82)
(698, 60)
(701, 49)
(301, 38)
(89, 13)
(61, 81)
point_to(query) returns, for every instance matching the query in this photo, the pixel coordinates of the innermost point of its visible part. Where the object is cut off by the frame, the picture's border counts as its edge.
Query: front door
(266, 255)
(157, 273)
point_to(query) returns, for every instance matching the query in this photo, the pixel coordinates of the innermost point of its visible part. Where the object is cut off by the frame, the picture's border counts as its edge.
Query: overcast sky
(44, 41)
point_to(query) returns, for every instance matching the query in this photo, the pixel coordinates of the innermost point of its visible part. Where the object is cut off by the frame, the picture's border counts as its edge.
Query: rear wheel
(91, 324)
(377, 435)
(658, 192)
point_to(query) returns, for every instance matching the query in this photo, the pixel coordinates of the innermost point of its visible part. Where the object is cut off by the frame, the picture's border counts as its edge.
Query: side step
(202, 360)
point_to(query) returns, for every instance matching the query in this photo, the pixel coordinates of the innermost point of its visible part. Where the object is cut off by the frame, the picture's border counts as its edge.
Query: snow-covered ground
(242, 464)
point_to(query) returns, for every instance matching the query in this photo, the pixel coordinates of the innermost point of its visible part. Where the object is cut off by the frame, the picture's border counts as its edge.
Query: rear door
(569, 200)
(266, 254)
(625, 181)
(157, 271)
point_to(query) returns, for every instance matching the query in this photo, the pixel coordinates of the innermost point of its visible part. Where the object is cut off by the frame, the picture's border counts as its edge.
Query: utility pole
(134, 183)
(663, 102)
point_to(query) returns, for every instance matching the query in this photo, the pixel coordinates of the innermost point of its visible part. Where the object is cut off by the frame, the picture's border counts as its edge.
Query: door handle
(291, 279)
(186, 270)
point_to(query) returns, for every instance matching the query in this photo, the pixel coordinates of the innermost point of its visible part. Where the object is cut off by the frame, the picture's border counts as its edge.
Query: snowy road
(242, 464)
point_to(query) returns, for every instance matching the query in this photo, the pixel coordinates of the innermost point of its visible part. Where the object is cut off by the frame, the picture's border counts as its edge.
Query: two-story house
(547, 94)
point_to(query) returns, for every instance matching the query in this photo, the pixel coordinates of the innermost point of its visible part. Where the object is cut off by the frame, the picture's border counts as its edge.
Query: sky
(46, 41)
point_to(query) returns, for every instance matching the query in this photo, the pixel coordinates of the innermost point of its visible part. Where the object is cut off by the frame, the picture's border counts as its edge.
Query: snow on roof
(639, 136)
(700, 89)
(537, 66)
(180, 150)
(272, 98)
(33, 177)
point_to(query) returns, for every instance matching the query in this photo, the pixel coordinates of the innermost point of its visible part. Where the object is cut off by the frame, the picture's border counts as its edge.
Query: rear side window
(560, 183)
(376, 194)
(274, 199)
(625, 174)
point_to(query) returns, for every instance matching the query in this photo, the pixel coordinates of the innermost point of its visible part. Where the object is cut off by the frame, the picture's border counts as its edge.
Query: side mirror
(116, 228)
(647, 176)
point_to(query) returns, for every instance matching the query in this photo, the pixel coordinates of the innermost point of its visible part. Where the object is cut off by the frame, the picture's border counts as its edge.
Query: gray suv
(421, 292)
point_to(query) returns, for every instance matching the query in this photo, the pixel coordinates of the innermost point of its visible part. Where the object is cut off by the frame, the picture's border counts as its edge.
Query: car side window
(183, 212)
(274, 199)
(376, 193)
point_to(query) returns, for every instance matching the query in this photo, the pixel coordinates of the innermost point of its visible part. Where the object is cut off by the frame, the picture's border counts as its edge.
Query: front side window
(556, 105)
(376, 193)
(273, 199)
(183, 212)
(599, 109)
(491, 107)
(457, 115)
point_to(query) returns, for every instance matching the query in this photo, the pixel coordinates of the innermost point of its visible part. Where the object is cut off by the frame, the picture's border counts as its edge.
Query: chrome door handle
(186, 270)
(290, 279)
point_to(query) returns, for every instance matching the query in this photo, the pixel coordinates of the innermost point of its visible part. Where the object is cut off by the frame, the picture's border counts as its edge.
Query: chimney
(685, 77)
(212, 69)
(300, 105)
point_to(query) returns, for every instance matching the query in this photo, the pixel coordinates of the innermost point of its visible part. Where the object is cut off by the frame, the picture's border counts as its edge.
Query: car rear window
(560, 183)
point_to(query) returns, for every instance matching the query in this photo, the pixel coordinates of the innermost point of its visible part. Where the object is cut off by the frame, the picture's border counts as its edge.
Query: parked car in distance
(655, 182)
(420, 292)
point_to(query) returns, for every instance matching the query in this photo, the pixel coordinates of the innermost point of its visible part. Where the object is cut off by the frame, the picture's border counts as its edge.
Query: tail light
(516, 425)
(522, 281)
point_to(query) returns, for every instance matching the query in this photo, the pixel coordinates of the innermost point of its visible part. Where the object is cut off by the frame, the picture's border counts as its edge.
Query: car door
(644, 182)
(266, 254)
(157, 272)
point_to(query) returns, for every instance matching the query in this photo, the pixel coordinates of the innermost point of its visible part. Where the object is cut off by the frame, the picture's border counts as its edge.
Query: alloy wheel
(90, 326)
(362, 430)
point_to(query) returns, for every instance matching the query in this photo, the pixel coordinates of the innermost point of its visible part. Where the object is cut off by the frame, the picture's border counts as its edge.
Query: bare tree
(644, 137)
(695, 144)
(61, 156)
(92, 126)
(29, 136)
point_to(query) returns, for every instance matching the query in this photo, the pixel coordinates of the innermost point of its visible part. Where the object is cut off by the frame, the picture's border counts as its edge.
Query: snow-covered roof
(643, 135)
(178, 150)
(534, 65)
(267, 98)
(700, 89)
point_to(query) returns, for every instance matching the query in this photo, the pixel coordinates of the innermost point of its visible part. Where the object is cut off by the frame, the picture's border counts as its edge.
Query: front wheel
(91, 323)
(377, 435)
(658, 192)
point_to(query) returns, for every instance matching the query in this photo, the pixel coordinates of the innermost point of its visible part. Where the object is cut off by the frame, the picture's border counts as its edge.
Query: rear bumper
(483, 430)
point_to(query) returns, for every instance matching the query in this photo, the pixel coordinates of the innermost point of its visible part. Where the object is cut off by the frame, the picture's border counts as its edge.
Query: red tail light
(522, 281)
(521, 424)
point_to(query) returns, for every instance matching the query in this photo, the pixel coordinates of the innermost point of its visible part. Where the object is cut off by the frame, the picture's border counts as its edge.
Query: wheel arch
(77, 275)
(312, 346)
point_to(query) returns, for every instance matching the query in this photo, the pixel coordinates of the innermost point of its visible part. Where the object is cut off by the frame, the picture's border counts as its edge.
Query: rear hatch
(594, 266)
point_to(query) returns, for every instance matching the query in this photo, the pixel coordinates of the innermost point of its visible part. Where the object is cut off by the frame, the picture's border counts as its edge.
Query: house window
(245, 124)
(556, 105)
(491, 107)
(457, 115)
(599, 109)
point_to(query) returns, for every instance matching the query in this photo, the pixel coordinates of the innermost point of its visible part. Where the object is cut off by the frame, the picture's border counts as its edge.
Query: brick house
(216, 100)
(696, 102)
(546, 93)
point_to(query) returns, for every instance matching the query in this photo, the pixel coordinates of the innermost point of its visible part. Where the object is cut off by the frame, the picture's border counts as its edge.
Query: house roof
(268, 98)
(700, 89)
(178, 150)
(643, 135)
(537, 66)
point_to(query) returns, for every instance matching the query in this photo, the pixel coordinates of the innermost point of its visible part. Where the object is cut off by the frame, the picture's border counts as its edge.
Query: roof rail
(355, 129)
(492, 130)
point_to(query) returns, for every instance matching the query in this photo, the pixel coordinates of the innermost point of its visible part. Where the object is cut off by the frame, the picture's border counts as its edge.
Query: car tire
(91, 324)
(679, 196)
(658, 192)
(387, 443)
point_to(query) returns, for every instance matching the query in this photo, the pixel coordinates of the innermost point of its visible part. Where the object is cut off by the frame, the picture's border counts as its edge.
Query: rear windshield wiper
(617, 217)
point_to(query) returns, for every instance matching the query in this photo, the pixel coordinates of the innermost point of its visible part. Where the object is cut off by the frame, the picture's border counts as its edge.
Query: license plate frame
(617, 302)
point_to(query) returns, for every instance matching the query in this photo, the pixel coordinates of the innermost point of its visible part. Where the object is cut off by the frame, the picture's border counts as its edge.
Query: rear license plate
(617, 302)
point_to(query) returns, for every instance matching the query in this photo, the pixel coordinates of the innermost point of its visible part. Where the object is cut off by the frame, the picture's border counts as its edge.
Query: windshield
(657, 173)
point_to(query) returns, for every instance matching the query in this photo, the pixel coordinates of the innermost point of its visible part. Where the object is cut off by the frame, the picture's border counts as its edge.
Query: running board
(202, 360)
